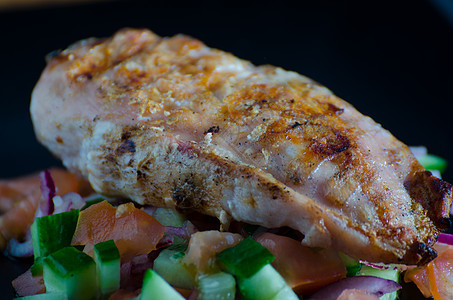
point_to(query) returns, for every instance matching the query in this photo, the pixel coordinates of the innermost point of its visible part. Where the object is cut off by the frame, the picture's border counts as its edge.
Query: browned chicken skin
(171, 122)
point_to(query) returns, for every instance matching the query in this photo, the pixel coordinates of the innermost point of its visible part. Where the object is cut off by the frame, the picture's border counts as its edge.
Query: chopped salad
(87, 246)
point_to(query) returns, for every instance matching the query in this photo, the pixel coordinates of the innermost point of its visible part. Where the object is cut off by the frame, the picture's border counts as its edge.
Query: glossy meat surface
(171, 122)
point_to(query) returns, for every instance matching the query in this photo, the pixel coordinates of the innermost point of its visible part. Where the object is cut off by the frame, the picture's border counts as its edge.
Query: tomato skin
(19, 199)
(304, 269)
(435, 279)
(134, 231)
(203, 247)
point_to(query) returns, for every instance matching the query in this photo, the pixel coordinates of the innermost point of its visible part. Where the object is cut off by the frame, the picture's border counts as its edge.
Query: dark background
(391, 59)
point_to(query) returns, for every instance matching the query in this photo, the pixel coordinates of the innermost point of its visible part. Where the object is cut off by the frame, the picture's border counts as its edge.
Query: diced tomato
(420, 277)
(134, 231)
(27, 284)
(435, 279)
(304, 269)
(19, 199)
(204, 246)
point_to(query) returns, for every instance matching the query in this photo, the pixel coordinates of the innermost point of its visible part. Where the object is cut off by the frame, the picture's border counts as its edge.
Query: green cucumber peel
(245, 259)
(155, 287)
(266, 284)
(108, 261)
(36, 268)
(72, 272)
(54, 232)
(352, 265)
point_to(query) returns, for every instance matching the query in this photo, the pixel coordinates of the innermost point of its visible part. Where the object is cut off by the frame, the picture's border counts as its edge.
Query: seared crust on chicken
(171, 122)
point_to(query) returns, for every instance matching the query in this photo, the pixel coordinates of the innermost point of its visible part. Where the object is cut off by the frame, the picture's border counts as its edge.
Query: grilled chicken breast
(171, 122)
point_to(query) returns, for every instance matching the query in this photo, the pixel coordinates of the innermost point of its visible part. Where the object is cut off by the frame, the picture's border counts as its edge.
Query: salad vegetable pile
(92, 247)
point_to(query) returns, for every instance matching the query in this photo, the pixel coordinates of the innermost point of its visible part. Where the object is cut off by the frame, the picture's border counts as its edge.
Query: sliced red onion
(67, 202)
(20, 249)
(177, 231)
(46, 206)
(418, 151)
(189, 228)
(370, 284)
(77, 201)
(193, 295)
(376, 266)
(131, 272)
(165, 241)
(140, 264)
(354, 294)
(183, 232)
(445, 238)
(149, 209)
(381, 266)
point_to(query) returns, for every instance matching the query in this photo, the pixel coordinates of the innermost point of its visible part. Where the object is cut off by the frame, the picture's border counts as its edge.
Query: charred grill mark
(434, 194)
(330, 146)
(213, 129)
(87, 75)
(190, 194)
(127, 146)
(296, 124)
(335, 109)
(424, 253)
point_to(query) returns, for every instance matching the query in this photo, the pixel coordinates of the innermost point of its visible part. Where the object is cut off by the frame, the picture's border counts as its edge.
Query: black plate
(392, 62)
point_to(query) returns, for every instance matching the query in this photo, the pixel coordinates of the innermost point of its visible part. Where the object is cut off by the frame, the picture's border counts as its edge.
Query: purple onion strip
(67, 202)
(445, 238)
(177, 231)
(165, 241)
(46, 206)
(369, 284)
(149, 209)
(183, 232)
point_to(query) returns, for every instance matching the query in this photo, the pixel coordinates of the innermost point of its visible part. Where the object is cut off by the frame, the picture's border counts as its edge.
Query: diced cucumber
(36, 268)
(390, 274)
(352, 265)
(45, 296)
(219, 286)
(107, 258)
(169, 217)
(433, 162)
(169, 265)
(265, 284)
(155, 287)
(51, 233)
(71, 272)
(245, 259)
(286, 293)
